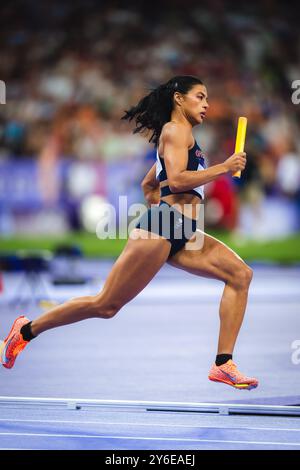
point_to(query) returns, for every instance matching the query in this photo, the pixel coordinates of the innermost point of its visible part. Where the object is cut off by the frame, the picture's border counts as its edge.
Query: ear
(178, 98)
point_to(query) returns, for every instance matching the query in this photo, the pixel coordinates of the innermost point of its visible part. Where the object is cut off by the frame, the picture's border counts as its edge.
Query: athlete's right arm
(175, 140)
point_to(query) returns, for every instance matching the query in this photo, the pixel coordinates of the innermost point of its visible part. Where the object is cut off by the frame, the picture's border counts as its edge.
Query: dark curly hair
(154, 110)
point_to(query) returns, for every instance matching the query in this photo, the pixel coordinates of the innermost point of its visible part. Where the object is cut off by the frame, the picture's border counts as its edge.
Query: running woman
(169, 112)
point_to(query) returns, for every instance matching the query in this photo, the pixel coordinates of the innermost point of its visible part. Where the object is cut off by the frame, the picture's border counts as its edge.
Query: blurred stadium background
(72, 67)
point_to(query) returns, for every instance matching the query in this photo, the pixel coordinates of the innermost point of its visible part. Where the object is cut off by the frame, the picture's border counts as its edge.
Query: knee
(105, 308)
(242, 277)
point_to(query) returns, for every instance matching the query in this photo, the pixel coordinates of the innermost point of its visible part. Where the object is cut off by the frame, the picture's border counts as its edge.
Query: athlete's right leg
(140, 260)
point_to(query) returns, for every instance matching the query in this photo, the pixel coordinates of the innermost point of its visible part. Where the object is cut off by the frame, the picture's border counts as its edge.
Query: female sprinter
(170, 112)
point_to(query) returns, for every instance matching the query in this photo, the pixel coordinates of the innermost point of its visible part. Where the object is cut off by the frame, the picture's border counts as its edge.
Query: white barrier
(144, 406)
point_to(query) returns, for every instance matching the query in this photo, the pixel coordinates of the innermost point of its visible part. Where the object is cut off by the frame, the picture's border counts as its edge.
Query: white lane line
(138, 438)
(13, 448)
(100, 423)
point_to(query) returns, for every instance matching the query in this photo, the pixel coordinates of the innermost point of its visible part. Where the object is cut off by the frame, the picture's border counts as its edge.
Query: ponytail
(154, 110)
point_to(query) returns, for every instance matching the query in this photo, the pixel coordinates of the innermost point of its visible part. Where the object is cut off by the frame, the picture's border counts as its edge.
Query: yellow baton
(240, 140)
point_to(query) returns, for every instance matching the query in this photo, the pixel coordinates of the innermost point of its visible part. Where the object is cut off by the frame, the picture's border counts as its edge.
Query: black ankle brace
(26, 332)
(222, 358)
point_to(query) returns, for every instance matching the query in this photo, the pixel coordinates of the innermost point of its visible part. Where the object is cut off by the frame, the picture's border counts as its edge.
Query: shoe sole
(2, 345)
(238, 386)
(13, 325)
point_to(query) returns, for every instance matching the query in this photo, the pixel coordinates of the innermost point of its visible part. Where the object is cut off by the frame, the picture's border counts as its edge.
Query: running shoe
(13, 344)
(229, 374)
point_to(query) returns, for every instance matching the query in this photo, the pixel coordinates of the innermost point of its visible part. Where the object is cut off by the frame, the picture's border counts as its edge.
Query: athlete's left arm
(150, 186)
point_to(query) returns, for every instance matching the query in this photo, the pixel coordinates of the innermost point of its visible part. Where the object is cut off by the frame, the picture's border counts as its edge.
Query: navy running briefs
(166, 221)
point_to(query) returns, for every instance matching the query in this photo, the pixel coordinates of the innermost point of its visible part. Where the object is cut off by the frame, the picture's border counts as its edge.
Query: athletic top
(196, 161)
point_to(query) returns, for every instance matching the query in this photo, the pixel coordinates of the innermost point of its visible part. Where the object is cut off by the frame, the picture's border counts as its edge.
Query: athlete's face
(194, 104)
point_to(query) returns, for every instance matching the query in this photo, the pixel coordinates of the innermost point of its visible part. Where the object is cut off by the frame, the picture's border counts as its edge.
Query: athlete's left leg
(217, 261)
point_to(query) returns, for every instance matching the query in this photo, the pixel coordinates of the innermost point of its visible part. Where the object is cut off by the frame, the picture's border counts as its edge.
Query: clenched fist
(236, 162)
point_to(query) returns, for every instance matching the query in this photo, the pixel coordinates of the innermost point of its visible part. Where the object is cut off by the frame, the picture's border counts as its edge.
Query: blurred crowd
(71, 68)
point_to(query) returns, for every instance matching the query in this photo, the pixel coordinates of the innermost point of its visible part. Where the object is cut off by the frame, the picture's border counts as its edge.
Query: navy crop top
(196, 162)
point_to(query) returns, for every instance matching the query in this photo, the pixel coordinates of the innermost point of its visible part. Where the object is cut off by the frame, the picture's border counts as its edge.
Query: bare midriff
(188, 204)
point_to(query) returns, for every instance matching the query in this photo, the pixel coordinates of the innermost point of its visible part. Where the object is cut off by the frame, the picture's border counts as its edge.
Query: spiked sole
(3, 344)
(238, 386)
